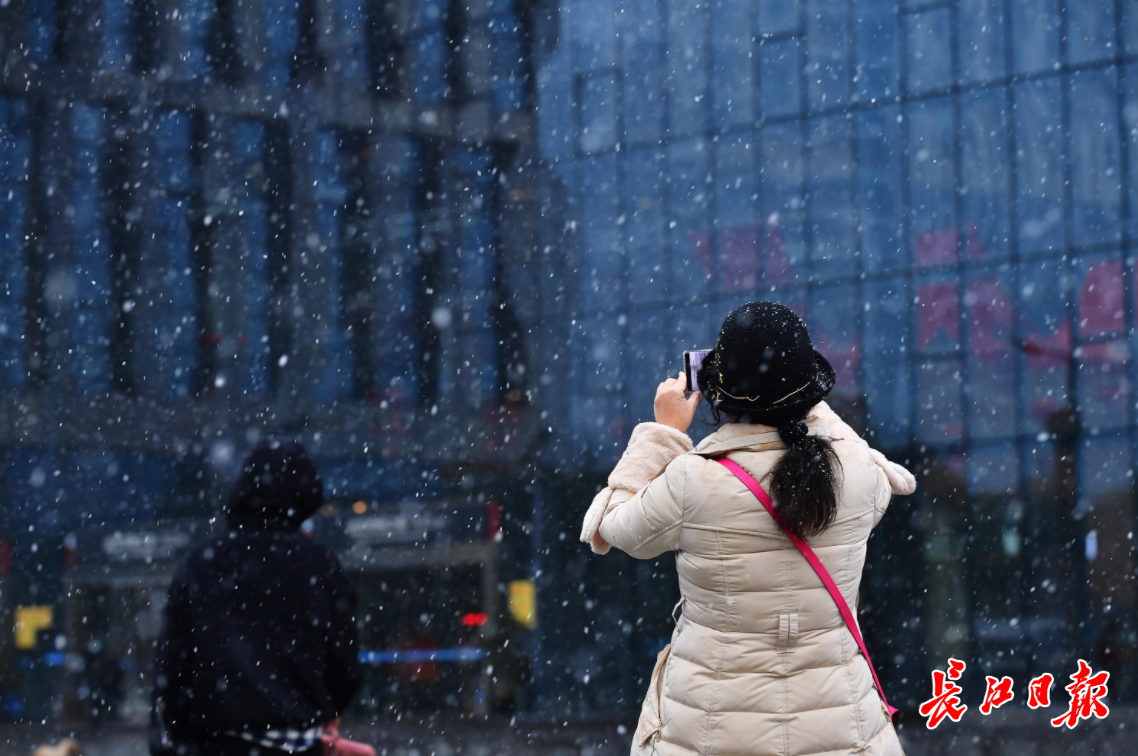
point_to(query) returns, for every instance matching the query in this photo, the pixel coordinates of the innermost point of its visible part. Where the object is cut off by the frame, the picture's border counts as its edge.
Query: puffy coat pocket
(651, 720)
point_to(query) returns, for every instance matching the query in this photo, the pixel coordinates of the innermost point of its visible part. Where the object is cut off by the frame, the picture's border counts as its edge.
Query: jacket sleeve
(343, 675)
(652, 448)
(646, 524)
(174, 666)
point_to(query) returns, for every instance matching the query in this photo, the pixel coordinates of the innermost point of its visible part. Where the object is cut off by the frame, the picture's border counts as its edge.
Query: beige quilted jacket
(760, 660)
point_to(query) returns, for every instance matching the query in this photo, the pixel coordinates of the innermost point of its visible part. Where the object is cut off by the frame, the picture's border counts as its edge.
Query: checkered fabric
(289, 741)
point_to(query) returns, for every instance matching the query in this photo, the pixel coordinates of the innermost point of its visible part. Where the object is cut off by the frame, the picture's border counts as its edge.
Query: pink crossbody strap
(816, 563)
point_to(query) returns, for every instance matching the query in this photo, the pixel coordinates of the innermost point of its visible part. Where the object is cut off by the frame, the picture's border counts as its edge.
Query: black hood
(278, 488)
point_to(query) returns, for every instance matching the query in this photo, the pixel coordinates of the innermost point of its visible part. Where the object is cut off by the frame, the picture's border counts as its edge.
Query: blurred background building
(454, 246)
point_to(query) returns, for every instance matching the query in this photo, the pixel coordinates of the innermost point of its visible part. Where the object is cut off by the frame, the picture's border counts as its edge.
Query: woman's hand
(673, 409)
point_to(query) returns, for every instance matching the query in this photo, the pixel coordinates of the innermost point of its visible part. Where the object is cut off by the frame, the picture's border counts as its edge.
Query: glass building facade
(946, 192)
(454, 246)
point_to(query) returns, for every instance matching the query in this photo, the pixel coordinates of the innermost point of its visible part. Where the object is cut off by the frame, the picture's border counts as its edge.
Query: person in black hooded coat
(258, 649)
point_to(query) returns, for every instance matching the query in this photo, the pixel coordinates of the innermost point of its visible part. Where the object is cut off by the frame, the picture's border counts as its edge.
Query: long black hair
(805, 480)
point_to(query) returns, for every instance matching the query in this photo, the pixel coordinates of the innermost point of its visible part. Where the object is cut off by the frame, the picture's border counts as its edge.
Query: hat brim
(823, 384)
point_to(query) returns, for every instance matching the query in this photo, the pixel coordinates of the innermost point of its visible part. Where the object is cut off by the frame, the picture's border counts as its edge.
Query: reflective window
(333, 379)
(91, 275)
(1039, 165)
(985, 171)
(1096, 177)
(981, 39)
(781, 202)
(15, 152)
(169, 265)
(733, 58)
(689, 224)
(992, 350)
(736, 237)
(831, 202)
(879, 180)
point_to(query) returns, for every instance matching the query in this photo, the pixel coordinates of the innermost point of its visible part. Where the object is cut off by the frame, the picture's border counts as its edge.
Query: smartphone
(691, 367)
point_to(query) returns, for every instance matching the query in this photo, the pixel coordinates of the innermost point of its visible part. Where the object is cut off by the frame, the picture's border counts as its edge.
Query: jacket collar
(735, 436)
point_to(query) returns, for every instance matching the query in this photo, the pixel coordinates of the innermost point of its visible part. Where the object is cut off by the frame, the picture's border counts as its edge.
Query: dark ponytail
(804, 483)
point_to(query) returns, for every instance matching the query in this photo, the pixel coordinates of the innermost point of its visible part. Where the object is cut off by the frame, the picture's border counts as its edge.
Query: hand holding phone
(672, 408)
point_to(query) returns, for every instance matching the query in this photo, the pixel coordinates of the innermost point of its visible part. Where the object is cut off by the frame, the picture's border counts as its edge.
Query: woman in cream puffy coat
(761, 661)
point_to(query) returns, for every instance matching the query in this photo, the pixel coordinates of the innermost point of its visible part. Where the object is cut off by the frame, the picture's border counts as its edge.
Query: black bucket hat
(764, 366)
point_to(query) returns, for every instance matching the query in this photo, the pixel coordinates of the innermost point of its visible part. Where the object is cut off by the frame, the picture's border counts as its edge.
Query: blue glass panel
(687, 66)
(1130, 27)
(600, 235)
(694, 327)
(1047, 342)
(172, 140)
(827, 53)
(778, 16)
(431, 12)
(116, 23)
(644, 227)
(88, 328)
(991, 352)
(596, 38)
(1104, 390)
(509, 63)
(981, 40)
(598, 413)
(333, 378)
(1130, 122)
(835, 329)
(598, 113)
(91, 255)
(253, 342)
(1096, 178)
(736, 228)
(1035, 29)
(880, 205)
(476, 265)
(282, 29)
(351, 60)
(877, 45)
(642, 64)
(555, 91)
(1090, 30)
(1102, 366)
(1107, 476)
(649, 359)
(475, 382)
(196, 19)
(985, 170)
(780, 78)
(175, 338)
(932, 183)
(733, 77)
(173, 342)
(1099, 296)
(1039, 166)
(782, 204)
(43, 26)
(430, 68)
(15, 151)
(937, 303)
(940, 404)
(887, 386)
(557, 293)
(929, 52)
(830, 189)
(690, 225)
